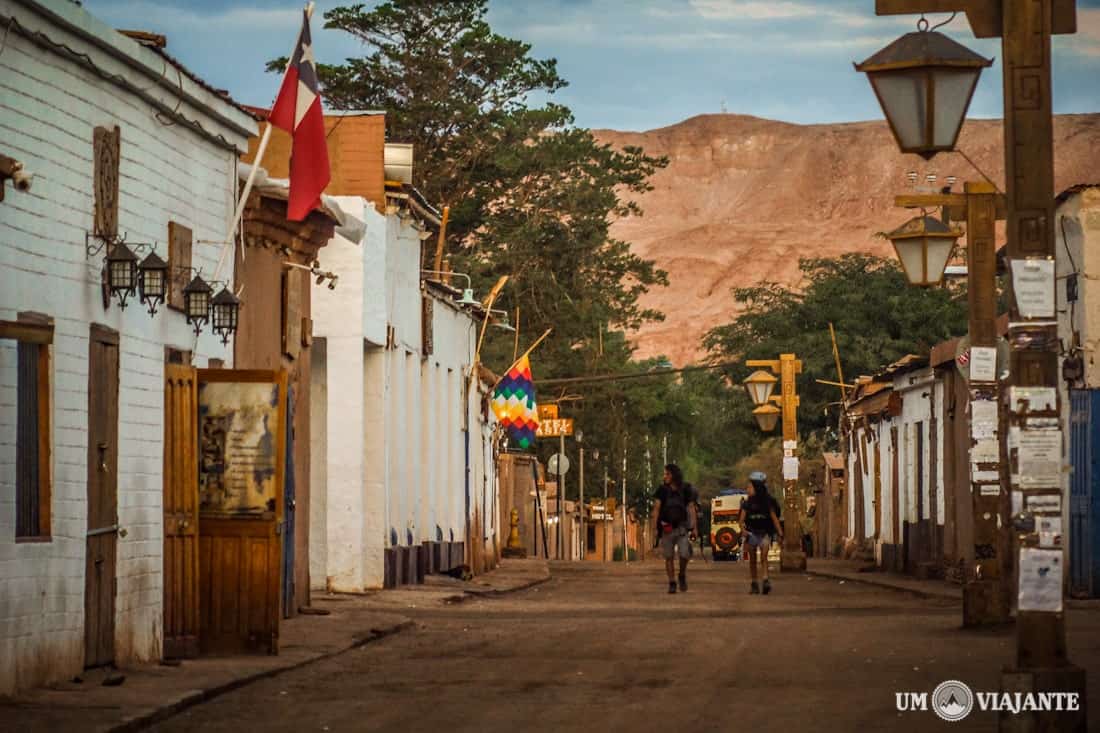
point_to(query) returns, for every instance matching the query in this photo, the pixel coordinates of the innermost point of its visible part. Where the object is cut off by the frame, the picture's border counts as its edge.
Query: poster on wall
(240, 445)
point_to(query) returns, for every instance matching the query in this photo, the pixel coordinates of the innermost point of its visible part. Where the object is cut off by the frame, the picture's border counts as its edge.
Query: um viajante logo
(953, 701)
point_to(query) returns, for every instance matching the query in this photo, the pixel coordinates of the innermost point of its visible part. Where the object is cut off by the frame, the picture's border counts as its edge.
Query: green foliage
(617, 554)
(878, 318)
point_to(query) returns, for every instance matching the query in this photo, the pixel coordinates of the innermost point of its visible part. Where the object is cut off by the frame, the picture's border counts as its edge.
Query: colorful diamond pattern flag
(514, 404)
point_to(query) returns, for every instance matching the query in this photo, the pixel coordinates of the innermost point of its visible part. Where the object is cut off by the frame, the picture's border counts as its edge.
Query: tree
(531, 195)
(878, 318)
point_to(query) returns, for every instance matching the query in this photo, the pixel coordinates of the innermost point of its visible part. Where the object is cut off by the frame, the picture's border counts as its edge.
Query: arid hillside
(743, 198)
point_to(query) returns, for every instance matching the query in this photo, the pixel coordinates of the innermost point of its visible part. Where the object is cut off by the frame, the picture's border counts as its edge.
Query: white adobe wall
(886, 458)
(48, 108)
(1077, 230)
(915, 409)
(939, 388)
(338, 535)
(395, 444)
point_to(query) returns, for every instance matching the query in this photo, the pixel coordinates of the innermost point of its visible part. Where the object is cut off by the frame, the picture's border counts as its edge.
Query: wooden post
(1025, 28)
(984, 599)
(793, 558)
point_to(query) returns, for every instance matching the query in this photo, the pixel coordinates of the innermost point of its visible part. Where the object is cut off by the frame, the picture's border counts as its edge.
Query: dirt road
(605, 648)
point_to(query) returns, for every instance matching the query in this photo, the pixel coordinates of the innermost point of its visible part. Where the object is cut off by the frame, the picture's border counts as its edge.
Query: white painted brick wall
(413, 476)
(48, 109)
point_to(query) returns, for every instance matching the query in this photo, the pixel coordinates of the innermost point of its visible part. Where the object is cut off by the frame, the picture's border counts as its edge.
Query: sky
(633, 64)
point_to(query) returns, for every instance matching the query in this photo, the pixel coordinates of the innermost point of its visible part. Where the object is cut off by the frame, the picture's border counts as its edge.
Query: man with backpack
(677, 515)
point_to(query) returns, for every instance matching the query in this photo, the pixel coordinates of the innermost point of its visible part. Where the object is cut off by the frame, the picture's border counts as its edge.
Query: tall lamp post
(760, 385)
(1029, 400)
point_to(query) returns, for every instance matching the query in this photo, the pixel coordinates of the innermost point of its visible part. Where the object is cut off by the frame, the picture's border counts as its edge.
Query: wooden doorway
(181, 512)
(242, 461)
(101, 554)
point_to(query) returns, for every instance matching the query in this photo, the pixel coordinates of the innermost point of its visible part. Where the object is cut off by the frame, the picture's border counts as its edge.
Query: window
(33, 334)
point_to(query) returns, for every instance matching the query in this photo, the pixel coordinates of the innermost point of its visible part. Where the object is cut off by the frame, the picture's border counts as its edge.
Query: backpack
(674, 508)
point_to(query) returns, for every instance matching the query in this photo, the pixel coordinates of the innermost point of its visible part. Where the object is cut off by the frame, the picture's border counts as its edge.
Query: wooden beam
(929, 200)
(31, 333)
(986, 17)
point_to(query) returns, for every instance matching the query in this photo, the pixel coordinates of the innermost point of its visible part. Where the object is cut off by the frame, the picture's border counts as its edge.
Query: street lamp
(924, 245)
(767, 416)
(924, 82)
(760, 385)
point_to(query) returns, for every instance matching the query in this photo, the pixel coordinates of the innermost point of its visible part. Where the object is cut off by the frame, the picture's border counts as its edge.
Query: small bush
(617, 555)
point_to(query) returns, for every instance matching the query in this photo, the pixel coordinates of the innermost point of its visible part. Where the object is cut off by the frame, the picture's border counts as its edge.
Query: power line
(639, 375)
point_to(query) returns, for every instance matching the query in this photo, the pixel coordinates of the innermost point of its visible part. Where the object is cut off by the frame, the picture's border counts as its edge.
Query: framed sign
(242, 442)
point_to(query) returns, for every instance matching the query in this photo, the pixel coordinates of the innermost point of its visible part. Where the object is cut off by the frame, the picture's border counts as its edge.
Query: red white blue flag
(297, 110)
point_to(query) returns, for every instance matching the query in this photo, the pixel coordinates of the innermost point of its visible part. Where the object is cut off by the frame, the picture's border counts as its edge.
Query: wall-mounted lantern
(224, 309)
(152, 281)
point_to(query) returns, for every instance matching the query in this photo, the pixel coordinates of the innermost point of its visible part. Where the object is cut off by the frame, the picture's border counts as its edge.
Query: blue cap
(758, 476)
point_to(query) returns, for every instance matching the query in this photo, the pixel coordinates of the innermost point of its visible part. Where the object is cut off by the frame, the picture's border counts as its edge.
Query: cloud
(195, 17)
(790, 10)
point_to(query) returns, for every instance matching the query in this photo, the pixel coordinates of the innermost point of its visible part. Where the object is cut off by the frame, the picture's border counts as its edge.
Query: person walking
(759, 526)
(677, 513)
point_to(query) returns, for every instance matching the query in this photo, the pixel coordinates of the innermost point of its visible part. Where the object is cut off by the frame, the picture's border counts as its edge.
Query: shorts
(675, 540)
(762, 541)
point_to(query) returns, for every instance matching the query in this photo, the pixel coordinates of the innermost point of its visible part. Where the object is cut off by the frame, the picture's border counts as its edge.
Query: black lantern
(121, 272)
(224, 309)
(152, 281)
(924, 82)
(196, 302)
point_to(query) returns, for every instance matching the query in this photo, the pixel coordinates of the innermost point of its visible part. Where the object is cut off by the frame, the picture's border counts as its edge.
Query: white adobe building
(1077, 268)
(72, 594)
(403, 459)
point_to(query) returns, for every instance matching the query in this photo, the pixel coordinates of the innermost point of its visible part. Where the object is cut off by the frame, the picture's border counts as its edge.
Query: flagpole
(260, 150)
(523, 356)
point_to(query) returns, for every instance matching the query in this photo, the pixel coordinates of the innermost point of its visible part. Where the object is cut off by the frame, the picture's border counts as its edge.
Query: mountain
(744, 198)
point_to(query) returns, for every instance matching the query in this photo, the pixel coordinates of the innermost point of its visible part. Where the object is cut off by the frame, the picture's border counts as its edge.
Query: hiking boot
(671, 587)
(754, 589)
(683, 583)
(767, 586)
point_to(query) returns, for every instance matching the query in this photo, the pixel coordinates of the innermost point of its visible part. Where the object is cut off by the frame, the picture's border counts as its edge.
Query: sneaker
(767, 586)
(754, 589)
(683, 583)
(672, 587)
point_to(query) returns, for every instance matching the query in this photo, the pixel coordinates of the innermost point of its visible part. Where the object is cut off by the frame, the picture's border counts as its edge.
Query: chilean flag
(297, 110)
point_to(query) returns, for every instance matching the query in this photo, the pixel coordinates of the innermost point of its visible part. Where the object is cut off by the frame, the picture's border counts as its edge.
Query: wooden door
(181, 512)
(242, 462)
(102, 532)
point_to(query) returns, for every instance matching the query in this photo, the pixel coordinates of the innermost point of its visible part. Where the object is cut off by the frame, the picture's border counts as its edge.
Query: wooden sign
(555, 428)
(548, 412)
(105, 155)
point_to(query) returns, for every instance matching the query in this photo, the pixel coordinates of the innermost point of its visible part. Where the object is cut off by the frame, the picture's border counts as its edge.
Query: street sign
(555, 428)
(548, 412)
(556, 460)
